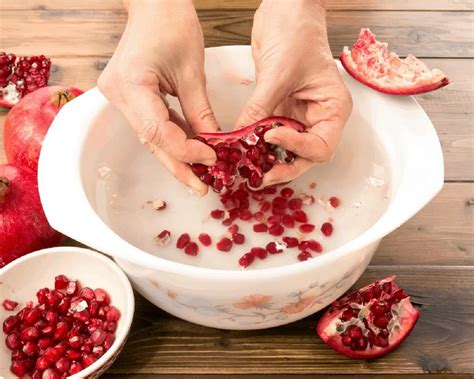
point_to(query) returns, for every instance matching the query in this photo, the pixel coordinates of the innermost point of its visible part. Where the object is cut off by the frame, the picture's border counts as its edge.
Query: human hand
(296, 77)
(162, 52)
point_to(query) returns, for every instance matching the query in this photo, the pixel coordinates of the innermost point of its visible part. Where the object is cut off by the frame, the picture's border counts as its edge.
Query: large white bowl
(94, 177)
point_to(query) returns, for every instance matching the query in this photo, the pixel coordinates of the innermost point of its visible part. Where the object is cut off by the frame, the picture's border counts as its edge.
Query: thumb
(266, 97)
(196, 107)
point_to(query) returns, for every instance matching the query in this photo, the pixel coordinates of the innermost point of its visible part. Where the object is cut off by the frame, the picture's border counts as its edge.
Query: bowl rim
(127, 318)
(73, 145)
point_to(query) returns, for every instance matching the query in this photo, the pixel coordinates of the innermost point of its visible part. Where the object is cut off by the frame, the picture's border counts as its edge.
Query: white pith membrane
(371, 61)
(10, 94)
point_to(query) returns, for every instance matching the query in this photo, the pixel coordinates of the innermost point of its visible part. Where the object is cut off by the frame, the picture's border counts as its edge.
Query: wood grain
(440, 343)
(438, 5)
(450, 108)
(96, 32)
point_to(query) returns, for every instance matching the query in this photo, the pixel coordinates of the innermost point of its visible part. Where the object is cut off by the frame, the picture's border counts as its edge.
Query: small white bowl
(21, 279)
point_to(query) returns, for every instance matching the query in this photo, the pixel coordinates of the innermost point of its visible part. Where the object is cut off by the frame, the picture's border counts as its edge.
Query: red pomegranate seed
(288, 221)
(41, 295)
(31, 316)
(82, 316)
(98, 351)
(72, 288)
(183, 240)
(20, 368)
(60, 282)
(276, 230)
(312, 185)
(13, 342)
(50, 316)
(96, 323)
(287, 192)
(192, 249)
(52, 354)
(113, 314)
(290, 241)
(87, 293)
(265, 206)
(304, 256)
(110, 326)
(280, 202)
(64, 305)
(245, 215)
(76, 342)
(53, 298)
(260, 217)
(9, 324)
(315, 246)
(88, 359)
(205, 239)
(102, 296)
(42, 363)
(259, 252)
(9, 305)
(62, 328)
(295, 203)
(306, 228)
(238, 238)
(270, 190)
(109, 340)
(30, 333)
(246, 260)
(260, 228)
(234, 228)
(44, 343)
(73, 355)
(272, 248)
(98, 337)
(75, 368)
(327, 229)
(225, 244)
(300, 216)
(62, 364)
(274, 219)
(334, 201)
(217, 214)
(30, 348)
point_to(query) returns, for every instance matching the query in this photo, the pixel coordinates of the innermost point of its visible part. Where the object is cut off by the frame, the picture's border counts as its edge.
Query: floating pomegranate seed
(9, 305)
(304, 256)
(225, 244)
(315, 246)
(192, 249)
(163, 238)
(327, 229)
(260, 217)
(259, 252)
(102, 296)
(183, 240)
(300, 216)
(276, 230)
(238, 238)
(273, 248)
(290, 241)
(205, 239)
(245, 215)
(246, 260)
(265, 206)
(334, 201)
(234, 228)
(287, 192)
(274, 219)
(280, 202)
(288, 221)
(217, 214)
(307, 199)
(260, 228)
(312, 185)
(306, 228)
(295, 203)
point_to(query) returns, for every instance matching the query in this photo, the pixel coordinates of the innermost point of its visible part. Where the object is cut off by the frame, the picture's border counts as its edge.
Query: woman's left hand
(296, 77)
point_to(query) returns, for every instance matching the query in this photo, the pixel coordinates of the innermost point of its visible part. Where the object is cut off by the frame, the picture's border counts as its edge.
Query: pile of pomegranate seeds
(68, 330)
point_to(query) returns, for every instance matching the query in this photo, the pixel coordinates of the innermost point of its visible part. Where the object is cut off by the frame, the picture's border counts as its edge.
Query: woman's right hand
(162, 52)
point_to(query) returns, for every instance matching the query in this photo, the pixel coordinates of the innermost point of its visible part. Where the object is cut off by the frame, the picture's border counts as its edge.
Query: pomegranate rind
(326, 326)
(370, 63)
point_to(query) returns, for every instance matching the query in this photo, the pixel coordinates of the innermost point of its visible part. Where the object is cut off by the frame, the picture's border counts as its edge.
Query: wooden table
(432, 254)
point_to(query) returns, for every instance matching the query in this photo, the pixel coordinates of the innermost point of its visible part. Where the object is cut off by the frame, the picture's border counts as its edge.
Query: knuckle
(151, 132)
(256, 111)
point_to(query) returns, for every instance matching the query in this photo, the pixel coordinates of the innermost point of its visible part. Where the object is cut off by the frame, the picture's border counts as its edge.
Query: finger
(182, 172)
(151, 121)
(196, 107)
(317, 145)
(265, 98)
(282, 173)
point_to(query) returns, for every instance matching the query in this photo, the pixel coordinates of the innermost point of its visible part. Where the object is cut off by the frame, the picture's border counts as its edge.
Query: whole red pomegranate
(23, 224)
(29, 120)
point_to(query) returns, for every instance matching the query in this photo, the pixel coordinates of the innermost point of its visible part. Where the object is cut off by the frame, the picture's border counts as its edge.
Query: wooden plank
(442, 341)
(108, 375)
(450, 108)
(440, 5)
(96, 32)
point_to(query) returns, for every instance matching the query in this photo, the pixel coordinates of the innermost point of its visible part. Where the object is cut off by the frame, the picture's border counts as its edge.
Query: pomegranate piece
(371, 63)
(205, 239)
(369, 322)
(327, 229)
(244, 152)
(183, 240)
(9, 305)
(225, 244)
(19, 77)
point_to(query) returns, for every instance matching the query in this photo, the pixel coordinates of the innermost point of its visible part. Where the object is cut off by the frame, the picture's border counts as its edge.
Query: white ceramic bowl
(21, 279)
(94, 178)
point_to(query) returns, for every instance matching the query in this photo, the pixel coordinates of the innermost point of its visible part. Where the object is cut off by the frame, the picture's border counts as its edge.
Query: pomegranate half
(372, 64)
(369, 322)
(244, 152)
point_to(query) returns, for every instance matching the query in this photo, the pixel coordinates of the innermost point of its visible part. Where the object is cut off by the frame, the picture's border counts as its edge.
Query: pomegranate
(372, 64)
(48, 343)
(27, 123)
(20, 77)
(244, 152)
(369, 322)
(23, 224)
